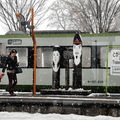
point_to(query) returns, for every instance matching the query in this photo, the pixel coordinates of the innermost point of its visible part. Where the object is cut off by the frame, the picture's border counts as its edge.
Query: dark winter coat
(10, 63)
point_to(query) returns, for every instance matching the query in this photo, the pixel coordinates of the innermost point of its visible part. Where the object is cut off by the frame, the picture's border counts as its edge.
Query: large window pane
(22, 55)
(2, 54)
(103, 56)
(44, 57)
(86, 57)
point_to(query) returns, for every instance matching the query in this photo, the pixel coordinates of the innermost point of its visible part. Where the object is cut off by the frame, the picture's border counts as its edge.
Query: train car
(94, 58)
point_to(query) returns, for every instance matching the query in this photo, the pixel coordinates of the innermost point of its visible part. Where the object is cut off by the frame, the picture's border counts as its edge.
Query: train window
(44, 57)
(86, 57)
(66, 53)
(2, 49)
(2, 54)
(2, 60)
(22, 55)
(103, 57)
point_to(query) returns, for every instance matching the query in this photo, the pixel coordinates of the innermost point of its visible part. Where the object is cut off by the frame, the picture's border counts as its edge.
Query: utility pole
(35, 53)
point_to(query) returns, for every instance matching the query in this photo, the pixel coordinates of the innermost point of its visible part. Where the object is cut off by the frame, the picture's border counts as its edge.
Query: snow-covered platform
(70, 91)
(92, 105)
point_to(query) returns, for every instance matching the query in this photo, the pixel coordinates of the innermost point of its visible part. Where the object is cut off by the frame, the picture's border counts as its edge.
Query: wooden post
(35, 54)
(77, 65)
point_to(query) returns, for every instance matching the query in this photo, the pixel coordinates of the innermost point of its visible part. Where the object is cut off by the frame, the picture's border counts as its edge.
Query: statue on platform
(56, 67)
(77, 61)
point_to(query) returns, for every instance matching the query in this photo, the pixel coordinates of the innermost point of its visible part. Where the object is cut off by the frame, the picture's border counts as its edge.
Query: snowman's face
(77, 52)
(56, 57)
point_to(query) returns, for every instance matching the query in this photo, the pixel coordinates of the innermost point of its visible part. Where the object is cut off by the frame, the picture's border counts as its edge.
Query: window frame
(37, 53)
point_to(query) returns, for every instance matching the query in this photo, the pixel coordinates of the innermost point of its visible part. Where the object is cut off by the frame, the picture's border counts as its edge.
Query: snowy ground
(38, 116)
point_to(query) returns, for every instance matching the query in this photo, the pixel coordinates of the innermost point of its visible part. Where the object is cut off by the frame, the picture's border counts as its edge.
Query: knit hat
(13, 51)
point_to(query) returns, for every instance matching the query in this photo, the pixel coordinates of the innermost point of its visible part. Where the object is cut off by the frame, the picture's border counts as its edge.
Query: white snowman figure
(77, 59)
(77, 49)
(77, 52)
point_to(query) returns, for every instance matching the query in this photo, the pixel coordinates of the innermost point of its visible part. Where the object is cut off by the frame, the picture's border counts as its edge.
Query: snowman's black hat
(77, 39)
(56, 48)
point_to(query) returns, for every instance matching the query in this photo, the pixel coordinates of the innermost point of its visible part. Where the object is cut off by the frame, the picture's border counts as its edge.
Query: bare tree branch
(9, 8)
(96, 16)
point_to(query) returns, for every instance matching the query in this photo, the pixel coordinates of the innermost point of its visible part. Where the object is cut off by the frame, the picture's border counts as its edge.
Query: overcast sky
(42, 27)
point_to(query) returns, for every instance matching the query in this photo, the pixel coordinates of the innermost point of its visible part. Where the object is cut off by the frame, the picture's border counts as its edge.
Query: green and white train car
(94, 60)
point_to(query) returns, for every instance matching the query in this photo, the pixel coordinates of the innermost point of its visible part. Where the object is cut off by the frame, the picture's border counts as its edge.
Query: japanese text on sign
(115, 62)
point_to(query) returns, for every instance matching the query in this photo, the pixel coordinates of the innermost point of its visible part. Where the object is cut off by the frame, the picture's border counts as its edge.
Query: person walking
(11, 63)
